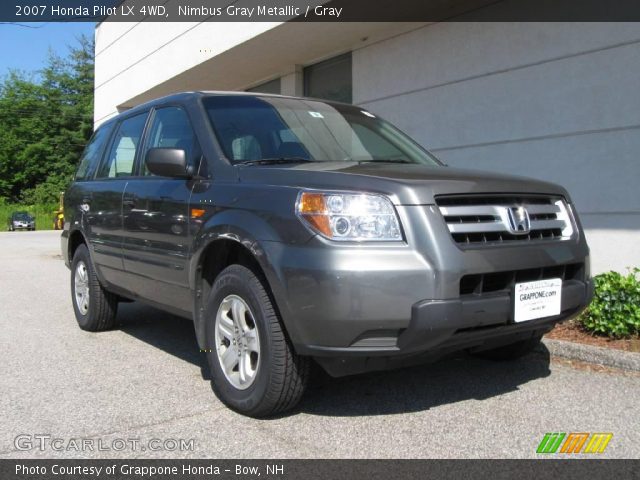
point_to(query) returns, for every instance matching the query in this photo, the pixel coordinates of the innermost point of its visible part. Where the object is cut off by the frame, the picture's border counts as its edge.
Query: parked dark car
(21, 221)
(293, 229)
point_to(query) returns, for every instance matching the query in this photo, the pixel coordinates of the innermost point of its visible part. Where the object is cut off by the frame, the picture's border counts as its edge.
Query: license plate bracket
(537, 299)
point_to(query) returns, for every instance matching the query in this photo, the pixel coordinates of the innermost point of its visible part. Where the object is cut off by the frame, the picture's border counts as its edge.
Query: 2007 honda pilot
(292, 229)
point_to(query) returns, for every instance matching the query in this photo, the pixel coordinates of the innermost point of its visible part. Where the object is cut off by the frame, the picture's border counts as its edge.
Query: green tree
(45, 121)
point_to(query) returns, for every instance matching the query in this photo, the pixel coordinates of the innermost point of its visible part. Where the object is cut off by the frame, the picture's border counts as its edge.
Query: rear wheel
(95, 308)
(512, 351)
(254, 368)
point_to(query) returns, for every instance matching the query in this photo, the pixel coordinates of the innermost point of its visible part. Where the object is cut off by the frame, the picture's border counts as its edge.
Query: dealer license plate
(537, 299)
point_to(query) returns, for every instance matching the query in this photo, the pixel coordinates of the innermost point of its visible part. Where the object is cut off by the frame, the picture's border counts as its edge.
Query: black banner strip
(29, 11)
(582, 469)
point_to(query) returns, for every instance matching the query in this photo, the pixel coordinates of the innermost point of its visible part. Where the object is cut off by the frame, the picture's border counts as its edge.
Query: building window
(330, 80)
(272, 86)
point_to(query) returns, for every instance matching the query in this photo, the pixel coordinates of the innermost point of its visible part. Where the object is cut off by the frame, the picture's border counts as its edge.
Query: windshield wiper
(274, 161)
(385, 160)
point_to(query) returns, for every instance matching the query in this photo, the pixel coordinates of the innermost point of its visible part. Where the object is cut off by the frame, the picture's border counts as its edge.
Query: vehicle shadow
(170, 333)
(450, 380)
(453, 379)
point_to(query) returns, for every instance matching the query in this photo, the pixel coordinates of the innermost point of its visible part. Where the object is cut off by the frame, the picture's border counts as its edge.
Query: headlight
(349, 216)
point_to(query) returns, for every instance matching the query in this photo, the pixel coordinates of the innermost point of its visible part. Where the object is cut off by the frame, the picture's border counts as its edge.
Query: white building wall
(132, 58)
(136, 62)
(556, 101)
(553, 101)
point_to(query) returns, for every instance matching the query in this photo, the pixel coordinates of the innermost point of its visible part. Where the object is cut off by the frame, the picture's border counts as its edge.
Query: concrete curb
(587, 353)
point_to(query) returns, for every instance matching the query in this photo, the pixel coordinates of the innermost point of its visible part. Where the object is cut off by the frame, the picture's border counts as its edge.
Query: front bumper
(439, 327)
(383, 302)
(23, 226)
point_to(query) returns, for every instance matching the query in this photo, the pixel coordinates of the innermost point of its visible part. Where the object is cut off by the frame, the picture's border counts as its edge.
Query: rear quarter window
(92, 154)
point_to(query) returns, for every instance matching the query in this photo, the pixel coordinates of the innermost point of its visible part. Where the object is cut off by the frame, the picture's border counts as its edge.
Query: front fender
(256, 235)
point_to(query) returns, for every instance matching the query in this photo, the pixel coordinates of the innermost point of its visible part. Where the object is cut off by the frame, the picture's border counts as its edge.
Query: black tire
(102, 305)
(512, 351)
(280, 375)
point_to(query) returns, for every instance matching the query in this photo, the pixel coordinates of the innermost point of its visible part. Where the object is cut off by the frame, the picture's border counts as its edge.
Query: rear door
(101, 199)
(156, 217)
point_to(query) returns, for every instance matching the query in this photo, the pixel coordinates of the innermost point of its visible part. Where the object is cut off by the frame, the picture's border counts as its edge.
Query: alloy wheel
(237, 342)
(81, 287)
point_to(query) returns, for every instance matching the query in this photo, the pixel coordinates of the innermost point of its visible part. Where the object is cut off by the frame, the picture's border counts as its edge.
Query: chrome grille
(496, 219)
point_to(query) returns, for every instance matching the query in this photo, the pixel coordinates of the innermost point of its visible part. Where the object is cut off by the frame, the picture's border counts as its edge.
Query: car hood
(404, 184)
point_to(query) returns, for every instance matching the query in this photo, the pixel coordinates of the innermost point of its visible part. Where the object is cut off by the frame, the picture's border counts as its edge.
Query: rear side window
(122, 154)
(92, 153)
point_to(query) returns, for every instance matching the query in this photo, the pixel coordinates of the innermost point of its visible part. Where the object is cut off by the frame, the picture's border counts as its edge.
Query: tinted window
(92, 154)
(330, 80)
(120, 160)
(22, 216)
(171, 129)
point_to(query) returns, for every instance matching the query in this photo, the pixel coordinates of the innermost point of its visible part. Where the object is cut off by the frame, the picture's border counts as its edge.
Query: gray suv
(291, 229)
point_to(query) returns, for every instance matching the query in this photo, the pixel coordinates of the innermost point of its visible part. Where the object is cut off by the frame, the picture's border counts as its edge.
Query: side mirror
(168, 162)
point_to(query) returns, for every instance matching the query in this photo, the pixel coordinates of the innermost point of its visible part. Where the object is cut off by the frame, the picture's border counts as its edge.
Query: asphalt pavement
(145, 385)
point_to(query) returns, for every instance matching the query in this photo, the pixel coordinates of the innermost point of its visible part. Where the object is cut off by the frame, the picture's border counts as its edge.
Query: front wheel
(254, 368)
(95, 307)
(512, 351)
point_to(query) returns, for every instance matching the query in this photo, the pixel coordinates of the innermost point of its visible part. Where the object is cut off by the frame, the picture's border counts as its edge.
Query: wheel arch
(76, 238)
(222, 250)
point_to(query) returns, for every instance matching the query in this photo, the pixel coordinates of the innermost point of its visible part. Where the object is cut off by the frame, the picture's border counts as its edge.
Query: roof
(206, 93)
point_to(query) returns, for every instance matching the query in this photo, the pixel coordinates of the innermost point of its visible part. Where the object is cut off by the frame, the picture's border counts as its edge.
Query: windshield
(21, 216)
(253, 128)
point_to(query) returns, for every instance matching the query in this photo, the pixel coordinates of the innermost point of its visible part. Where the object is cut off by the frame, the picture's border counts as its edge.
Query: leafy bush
(615, 309)
(46, 193)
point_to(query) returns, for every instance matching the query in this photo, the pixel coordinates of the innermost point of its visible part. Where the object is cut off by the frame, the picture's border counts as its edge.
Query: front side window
(121, 158)
(171, 128)
(92, 153)
(266, 128)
